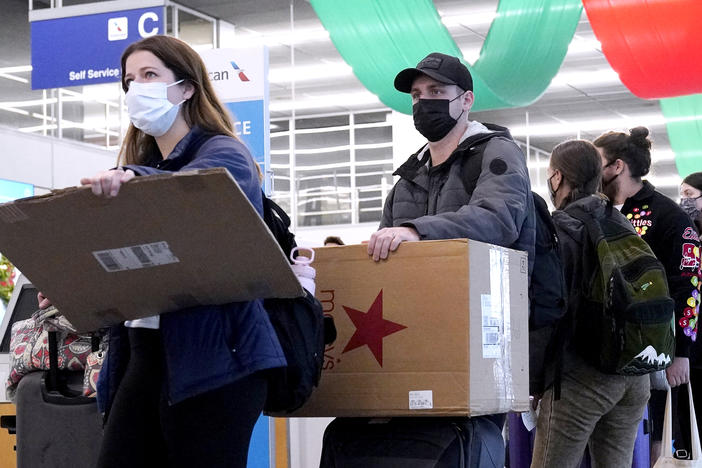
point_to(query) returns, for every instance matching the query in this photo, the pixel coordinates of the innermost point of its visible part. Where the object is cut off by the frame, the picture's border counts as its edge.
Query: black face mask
(432, 118)
(607, 183)
(551, 192)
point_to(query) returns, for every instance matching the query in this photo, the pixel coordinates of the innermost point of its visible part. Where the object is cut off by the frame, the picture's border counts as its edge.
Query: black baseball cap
(443, 68)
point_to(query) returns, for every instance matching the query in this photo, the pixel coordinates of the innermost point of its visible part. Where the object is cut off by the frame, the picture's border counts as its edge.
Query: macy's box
(440, 329)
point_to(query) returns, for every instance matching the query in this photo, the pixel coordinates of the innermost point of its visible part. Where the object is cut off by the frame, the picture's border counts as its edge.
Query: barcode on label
(108, 261)
(139, 253)
(491, 338)
(421, 399)
(135, 257)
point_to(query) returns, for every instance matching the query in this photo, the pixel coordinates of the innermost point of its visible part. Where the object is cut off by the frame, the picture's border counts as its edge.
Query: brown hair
(333, 240)
(203, 109)
(580, 165)
(634, 149)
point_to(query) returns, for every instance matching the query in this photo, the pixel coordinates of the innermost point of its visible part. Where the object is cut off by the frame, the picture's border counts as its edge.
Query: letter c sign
(149, 15)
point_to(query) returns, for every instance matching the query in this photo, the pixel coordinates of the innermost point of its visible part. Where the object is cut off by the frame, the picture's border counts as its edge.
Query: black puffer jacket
(434, 200)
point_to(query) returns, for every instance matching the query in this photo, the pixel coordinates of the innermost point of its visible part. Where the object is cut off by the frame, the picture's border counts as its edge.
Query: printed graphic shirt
(671, 235)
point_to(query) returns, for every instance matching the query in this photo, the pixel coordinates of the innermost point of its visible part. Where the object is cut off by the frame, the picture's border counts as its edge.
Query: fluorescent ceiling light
(471, 55)
(596, 77)
(477, 18)
(309, 72)
(282, 37)
(580, 45)
(12, 109)
(18, 69)
(325, 101)
(13, 77)
(593, 125)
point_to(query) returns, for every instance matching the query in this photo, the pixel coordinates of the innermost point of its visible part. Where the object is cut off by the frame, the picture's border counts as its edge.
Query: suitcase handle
(56, 390)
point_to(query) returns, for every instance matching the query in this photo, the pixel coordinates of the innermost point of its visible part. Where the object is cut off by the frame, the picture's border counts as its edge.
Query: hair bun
(638, 136)
(639, 132)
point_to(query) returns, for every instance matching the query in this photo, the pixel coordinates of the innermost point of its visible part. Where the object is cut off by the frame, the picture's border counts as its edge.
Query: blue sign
(11, 190)
(240, 79)
(259, 452)
(250, 127)
(84, 50)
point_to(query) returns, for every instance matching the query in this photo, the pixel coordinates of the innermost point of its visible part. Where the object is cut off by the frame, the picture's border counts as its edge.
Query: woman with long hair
(185, 388)
(598, 410)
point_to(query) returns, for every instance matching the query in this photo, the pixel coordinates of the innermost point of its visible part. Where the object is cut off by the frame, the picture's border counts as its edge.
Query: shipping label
(135, 257)
(421, 399)
(491, 329)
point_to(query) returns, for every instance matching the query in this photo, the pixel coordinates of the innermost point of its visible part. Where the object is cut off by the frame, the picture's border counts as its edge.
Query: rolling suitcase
(56, 426)
(414, 443)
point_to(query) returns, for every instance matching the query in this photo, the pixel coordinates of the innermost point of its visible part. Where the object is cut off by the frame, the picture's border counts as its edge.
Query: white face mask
(149, 108)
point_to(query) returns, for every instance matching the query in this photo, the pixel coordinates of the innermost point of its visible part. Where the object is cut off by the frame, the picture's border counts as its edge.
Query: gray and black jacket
(497, 207)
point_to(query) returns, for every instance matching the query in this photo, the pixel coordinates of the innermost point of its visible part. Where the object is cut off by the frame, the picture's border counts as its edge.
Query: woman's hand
(107, 183)
(679, 371)
(43, 301)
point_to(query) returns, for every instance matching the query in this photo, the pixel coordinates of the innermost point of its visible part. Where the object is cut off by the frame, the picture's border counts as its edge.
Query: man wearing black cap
(469, 181)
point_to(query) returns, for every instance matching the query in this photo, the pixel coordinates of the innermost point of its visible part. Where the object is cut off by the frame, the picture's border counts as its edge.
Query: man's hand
(107, 183)
(679, 371)
(43, 301)
(388, 240)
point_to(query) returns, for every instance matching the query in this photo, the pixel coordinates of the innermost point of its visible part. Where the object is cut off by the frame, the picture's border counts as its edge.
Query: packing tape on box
(499, 311)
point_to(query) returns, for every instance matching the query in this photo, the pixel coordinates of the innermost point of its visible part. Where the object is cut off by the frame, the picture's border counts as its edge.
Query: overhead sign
(240, 79)
(86, 49)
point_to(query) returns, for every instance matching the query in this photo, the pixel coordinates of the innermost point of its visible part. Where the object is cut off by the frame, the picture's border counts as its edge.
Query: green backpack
(625, 324)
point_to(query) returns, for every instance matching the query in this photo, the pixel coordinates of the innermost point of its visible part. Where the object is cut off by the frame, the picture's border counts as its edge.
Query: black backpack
(547, 289)
(302, 329)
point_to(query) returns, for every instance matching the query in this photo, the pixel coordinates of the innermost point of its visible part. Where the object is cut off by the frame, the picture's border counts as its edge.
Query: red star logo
(371, 328)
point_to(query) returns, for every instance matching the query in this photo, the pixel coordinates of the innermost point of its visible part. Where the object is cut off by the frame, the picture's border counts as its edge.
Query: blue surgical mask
(149, 108)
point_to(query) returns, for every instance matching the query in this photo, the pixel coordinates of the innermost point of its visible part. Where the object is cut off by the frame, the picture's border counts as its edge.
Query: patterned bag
(93, 364)
(29, 349)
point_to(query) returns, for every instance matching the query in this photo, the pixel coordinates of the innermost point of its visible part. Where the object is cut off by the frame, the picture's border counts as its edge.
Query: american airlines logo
(242, 76)
(223, 75)
(117, 28)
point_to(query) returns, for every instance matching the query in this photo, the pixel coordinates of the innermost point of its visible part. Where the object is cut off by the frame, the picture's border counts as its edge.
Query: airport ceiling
(585, 92)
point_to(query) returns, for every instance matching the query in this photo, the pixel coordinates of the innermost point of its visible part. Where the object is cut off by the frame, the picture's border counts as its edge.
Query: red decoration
(654, 45)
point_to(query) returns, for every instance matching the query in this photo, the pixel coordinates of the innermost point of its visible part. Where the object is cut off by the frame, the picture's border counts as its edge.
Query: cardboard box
(439, 329)
(166, 242)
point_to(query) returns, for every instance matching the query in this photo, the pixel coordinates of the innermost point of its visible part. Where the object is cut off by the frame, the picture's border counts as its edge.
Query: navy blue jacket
(205, 347)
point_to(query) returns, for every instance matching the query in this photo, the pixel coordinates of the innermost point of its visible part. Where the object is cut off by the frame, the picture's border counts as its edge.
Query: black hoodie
(671, 234)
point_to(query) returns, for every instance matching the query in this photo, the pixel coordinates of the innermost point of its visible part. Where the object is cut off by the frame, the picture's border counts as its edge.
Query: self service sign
(86, 49)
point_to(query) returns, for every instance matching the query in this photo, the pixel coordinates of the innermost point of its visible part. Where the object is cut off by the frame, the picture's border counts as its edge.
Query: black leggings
(212, 429)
